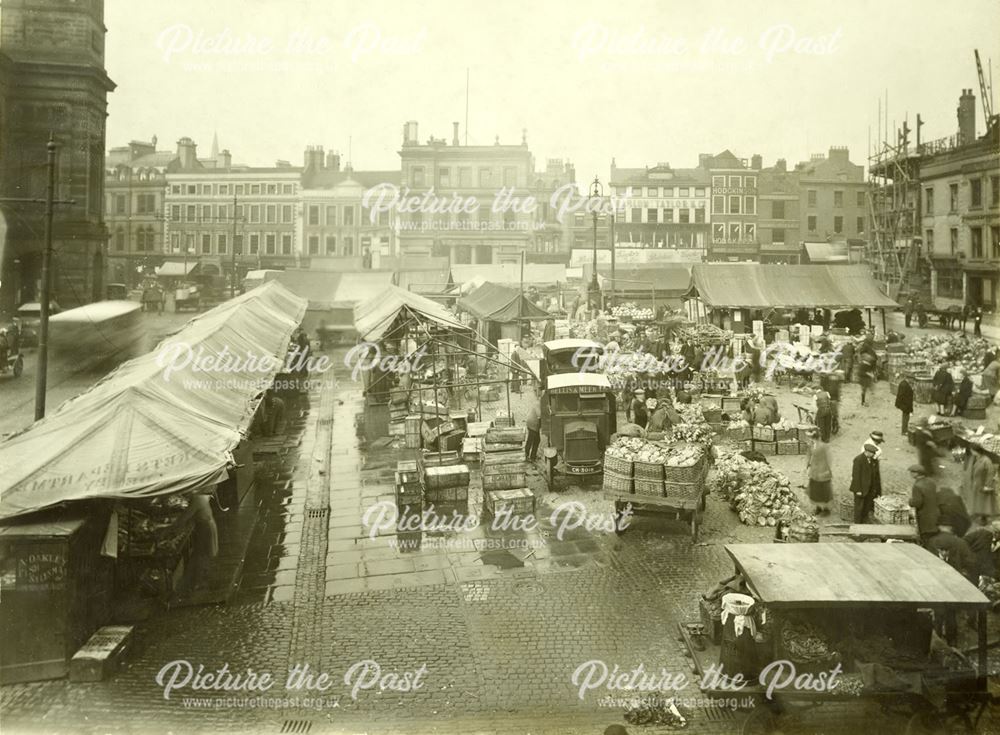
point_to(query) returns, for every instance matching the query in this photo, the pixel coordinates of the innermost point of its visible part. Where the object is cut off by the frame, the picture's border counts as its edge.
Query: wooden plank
(878, 530)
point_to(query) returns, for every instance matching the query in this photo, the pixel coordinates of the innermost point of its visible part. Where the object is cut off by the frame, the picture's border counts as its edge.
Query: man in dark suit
(866, 483)
(924, 499)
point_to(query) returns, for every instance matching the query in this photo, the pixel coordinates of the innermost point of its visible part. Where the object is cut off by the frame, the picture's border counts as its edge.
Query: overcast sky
(639, 81)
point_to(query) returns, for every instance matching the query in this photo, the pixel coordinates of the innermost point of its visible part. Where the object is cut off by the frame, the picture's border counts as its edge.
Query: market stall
(502, 312)
(847, 620)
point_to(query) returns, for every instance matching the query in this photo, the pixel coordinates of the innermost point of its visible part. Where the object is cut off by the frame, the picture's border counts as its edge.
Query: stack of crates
(514, 502)
(502, 457)
(446, 484)
(409, 489)
(472, 445)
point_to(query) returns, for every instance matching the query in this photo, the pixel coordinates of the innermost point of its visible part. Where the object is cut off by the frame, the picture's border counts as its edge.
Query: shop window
(949, 284)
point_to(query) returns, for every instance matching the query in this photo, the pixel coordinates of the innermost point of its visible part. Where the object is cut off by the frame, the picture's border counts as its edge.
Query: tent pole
(884, 330)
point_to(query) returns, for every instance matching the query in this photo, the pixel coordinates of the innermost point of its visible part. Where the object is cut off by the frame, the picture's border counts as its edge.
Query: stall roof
(162, 423)
(851, 575)
(98, 311)
(329, 289)
(174, 268)
(826, 252)
(431, 280)
(374, 317)
(669, 280)
(497, 303)
(751, 285)
(510, 273)
(570, 343)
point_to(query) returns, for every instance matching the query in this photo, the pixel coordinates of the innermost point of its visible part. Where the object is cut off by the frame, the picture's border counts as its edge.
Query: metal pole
(594, 284)
(614, 283)
(232, 285)
(43, 326)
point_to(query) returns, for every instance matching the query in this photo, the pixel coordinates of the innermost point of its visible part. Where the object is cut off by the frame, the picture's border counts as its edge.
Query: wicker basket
(802, 431)
(649, 487)
(693, 473)
(763, 433)
(781, 435)
(787, 447)
(731, 403)
(978, 401)
(718, 429)
(888, 516)
(619, 466)
(923, 390)
(768, 449)
(847, 508)
(682, 492)
(974, 413)
(712, 415)
(803, 447)
(738, 433)
(647, 471)
(617, 483)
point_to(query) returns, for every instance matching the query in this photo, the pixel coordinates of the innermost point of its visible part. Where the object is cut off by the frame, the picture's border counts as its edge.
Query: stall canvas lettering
(41, 570)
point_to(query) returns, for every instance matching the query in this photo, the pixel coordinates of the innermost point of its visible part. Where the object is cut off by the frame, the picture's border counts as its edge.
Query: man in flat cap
(866, 482)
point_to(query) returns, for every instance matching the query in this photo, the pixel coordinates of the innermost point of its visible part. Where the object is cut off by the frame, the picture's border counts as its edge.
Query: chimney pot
(454, 135)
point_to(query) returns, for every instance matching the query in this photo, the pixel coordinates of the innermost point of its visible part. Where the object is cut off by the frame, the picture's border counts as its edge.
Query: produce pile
(804, 642)
(694, 433)
(755, 393)
(959, 349)
(664, 713)
(894, 503)
(631, 311)
(759, 494)
(784, 425)
(640, 450)
(990, 587)
(690, 413)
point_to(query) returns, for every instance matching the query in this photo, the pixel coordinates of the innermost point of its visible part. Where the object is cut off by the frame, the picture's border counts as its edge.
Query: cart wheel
(760, 721)
(18, 366)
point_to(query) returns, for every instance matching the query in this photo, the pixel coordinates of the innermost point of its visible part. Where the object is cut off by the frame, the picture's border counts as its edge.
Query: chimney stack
(410, 133)
(187, 152)
(703, 159)
(966, 117)
(454, 134)
(333, 161)
(756, 162)
(313, 158)
(225, 159)
(781, 165)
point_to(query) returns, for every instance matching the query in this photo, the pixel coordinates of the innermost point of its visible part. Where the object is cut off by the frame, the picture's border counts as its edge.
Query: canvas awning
(172, 268)
(436, 280)
(751, 285)
(510, 273)
(332, 289)
(826, 252)
(165, 422)
(374, 318)
(672, 280)
(496, 303)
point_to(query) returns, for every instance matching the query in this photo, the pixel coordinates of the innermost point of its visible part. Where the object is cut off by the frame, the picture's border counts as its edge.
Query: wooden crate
(406, 465)
(790, 446)
(804, 447)
(744, 446)
(447, 494)
(514, 501)
(437, 478)
(888, 516)
(515, 435)
(504, 480)
(768, 449)
(763, 433)
(738, 433)
(731, 403)
(782, 435)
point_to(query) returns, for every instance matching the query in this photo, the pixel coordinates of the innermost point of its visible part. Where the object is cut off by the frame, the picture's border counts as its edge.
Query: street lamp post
(596, 192)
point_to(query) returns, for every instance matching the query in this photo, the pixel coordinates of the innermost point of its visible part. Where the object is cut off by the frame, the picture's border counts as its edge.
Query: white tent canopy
(374, 317)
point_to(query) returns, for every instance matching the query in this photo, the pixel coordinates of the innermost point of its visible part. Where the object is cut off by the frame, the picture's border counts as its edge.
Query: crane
(986, 92)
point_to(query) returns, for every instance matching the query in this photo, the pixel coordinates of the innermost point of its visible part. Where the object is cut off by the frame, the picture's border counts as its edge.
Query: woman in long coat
(983, 487)
(944, 386)
(818, 469)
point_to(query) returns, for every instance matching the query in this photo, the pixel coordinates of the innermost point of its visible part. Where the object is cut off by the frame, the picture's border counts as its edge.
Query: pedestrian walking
(878, 439)
(921, 315)
(866, 374)
(820, 473)
(831, 384)
(924, 500)
(944, 386)
(965, 316)
(908, 311)
(981, 540)
(823, 409)
(866, 483)
(963, 394)
(952, 511)
(904, 402)
(533, 423)
(977, 321)
(981, 476)
(991, 376)
(847, 359)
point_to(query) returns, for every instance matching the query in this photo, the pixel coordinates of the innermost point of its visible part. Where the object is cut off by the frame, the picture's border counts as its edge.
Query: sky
(635, 80)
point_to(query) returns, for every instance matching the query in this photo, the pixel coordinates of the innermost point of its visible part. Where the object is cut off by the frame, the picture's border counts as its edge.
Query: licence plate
(581, 470)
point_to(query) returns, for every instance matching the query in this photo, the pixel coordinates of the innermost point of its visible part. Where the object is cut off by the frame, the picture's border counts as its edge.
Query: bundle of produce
(804, 643)
(759, 494)
(631, 311)
(700, 434)
(664, 713)
(691, 413)
(755, 393)
(688, 456)
(634, 449)
(740, 423)
(799, 526)
(990, 587)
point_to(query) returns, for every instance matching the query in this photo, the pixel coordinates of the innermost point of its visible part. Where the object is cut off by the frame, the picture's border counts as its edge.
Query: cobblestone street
(498, 635)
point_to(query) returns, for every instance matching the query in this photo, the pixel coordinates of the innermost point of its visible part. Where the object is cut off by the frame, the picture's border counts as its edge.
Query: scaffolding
(894, 244)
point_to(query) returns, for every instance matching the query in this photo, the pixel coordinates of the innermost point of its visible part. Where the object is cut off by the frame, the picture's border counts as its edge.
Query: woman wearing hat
(820, 473)
(944, 386)
(980, 485)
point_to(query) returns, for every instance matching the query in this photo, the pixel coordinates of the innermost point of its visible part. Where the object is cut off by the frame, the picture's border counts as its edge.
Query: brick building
(960, 208)
(335, 221)
(734, 206)
(833, 197)
(778, 214)
(662, 207)
(209, 210)
(55, 54)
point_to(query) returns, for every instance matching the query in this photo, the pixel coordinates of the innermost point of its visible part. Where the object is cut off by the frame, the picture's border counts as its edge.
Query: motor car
(30, 316)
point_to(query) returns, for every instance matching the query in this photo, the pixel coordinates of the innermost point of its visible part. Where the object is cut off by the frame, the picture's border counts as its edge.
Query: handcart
(857, 588)
(686, 501)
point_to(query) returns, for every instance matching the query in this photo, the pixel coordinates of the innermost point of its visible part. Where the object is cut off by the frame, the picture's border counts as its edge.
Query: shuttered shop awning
(757, 286)
(165, 422)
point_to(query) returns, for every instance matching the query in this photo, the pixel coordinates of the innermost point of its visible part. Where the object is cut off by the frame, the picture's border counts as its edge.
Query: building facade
(833, 198)
(662, 207)
(335, 220)
(237, 215)
(960, 212)
(55, 52)
(498, 179)
(734, 206)
(778, 215)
